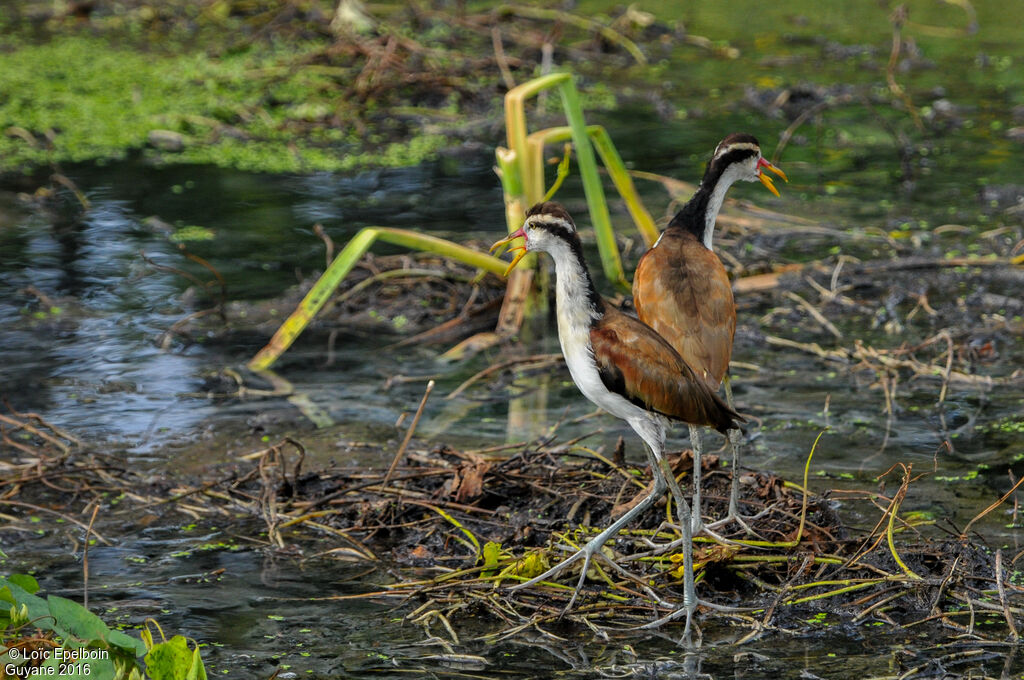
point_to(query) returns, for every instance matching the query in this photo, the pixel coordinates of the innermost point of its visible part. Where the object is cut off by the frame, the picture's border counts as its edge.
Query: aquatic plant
(59, 637)
(521, 169)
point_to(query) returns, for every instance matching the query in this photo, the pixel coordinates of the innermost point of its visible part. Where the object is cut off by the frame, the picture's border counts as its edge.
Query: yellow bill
(521, 249)
(762, 164)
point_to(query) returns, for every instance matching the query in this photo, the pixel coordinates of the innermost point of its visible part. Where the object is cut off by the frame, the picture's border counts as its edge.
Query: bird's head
(737, 157)
(548, 227)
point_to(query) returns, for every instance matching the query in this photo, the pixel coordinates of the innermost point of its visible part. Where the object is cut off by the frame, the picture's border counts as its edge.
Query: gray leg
(654, 435)
(735, 437)
(734, 444)
(697, 446)
(690, 601)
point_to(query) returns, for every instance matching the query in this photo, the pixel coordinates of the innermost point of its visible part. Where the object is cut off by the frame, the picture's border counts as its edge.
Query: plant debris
(455, 528)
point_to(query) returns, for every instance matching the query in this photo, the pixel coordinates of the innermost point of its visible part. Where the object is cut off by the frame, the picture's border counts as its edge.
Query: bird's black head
(738, 157)
(553, 217)
(548, 227)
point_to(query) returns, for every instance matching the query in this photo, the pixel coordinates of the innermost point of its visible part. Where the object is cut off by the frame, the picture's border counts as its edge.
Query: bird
(681, 289)
(624, 367)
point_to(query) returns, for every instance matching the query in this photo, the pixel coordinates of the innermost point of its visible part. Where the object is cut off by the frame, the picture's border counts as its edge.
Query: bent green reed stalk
(520, 168)
(343, 264)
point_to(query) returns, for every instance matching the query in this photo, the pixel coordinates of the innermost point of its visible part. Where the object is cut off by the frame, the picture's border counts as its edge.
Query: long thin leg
(686, 523)
(735, 437)
(734, 444)
(689, 605)
(697, 445)
(587, 552)
(696, 520)
(690, 601)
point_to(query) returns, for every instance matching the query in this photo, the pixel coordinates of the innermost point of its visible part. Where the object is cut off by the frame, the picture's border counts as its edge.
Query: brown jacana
(624, 367)
(682, 291)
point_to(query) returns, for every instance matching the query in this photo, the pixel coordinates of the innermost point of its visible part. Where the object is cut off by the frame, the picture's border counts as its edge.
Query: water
(96, 369)
(98, 366)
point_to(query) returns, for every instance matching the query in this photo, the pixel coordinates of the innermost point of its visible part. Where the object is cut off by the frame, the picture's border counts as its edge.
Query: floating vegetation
(455, 528)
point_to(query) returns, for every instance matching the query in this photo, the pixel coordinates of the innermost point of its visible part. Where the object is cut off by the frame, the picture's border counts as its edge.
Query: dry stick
(803, 117)
(202, 262)
(408, 435)
(39, 419)
(395, 274)
(499, 56)
(992, 507)
(818, 316)
(318, 230)
(172, 270)
(85, 559)
(1002, 595)
(951, 657)
(942, 587)
(66, 518)
(268, 499)
(1016, 504)
(73, 188)
(898, 18)
(18, 425)
(949, 367)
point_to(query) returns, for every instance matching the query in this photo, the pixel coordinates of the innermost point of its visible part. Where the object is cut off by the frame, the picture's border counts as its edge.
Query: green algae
(241, 89)
(80, 98)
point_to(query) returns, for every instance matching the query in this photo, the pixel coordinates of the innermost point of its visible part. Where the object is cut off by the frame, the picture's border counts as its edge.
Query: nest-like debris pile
(458, 528)
(462, 527)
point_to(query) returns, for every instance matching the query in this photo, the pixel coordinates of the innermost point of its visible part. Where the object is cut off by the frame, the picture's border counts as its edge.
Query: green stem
(599, 218)
(624, 184)
(343, 264)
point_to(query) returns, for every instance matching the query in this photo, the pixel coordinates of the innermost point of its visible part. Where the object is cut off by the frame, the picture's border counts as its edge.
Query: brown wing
(681, 290)
(638, 364)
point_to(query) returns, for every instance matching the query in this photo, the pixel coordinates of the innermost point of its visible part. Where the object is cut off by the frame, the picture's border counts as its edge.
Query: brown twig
(898, 19)
(533, 361)
(408, 435)
(991, 507)
(85, 558)
(1001, 587)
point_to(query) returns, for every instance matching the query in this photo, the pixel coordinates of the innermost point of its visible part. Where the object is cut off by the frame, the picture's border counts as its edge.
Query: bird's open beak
(762, 165)
(519, 255)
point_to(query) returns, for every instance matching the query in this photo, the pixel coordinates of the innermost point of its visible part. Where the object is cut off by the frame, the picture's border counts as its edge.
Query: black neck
(699, 214)
(693, 216)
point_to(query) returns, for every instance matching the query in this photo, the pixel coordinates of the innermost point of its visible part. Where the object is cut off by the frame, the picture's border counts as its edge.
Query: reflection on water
(86, 308)
(92, 295)
(82, 313)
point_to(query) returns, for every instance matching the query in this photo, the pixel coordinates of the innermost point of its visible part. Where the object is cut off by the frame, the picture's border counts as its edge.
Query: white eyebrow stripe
(551, 220)
(736, 147)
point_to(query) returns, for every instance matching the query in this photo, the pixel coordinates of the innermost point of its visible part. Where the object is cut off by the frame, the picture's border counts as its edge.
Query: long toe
(736, 518)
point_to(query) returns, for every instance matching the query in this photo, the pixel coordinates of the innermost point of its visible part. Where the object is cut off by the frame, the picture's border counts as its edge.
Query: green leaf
(84, 669)
(492, 551)
(72, 620)
(173, 660)
(28, 583)
(38, 611)
(127, 643)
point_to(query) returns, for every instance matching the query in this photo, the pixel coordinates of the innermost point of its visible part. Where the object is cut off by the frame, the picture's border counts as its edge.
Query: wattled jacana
(682, 291)
(624, 367)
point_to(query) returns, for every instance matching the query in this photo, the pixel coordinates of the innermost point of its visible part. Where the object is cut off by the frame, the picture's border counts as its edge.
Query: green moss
(80, 98)
(192, 233)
